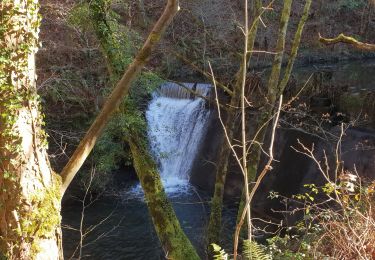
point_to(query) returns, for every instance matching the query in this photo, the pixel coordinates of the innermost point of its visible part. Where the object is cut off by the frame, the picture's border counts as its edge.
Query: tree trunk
(30, 191)
(216, 207)
(261, 122)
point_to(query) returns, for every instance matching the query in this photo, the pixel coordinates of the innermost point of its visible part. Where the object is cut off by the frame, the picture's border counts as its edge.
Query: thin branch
(222, 123)
(243, 120)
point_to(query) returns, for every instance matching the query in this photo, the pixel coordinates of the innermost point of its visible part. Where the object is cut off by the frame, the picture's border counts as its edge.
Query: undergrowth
(340, 227)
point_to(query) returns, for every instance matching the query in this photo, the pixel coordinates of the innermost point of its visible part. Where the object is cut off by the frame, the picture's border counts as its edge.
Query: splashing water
(176, 124)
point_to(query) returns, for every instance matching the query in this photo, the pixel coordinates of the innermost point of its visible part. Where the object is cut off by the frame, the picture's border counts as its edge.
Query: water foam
(177, 122)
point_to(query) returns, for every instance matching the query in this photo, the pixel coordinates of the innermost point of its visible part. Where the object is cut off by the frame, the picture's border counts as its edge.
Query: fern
(219, 253)
(253, 251)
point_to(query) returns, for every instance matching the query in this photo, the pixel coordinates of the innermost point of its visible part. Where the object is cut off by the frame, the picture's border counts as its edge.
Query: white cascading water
(177, 121)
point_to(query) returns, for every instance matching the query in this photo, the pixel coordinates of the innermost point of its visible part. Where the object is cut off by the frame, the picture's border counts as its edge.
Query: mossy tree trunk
(30, 191)
(173, 240)
(216, 207)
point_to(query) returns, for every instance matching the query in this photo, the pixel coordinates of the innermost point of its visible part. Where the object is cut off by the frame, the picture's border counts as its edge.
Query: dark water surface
(128, 232)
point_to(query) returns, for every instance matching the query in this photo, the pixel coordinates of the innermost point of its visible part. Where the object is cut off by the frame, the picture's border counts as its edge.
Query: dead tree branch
(348, 40)
(117, 95)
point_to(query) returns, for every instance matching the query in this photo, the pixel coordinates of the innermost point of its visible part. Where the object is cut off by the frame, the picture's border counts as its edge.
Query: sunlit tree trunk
(30, 191)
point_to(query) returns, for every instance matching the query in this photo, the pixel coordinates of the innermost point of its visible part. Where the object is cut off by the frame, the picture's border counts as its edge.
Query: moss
(133, 128)
(44, 218)
(356, 106)
(214, 229)
(3, 257)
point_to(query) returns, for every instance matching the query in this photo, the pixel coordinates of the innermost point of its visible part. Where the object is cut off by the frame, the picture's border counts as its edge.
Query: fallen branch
(121, 90)
(348, 40)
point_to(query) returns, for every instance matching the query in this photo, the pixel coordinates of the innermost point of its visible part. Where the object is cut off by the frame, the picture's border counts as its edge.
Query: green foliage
(3, 257)
(117, 42)
(290, 247)
(79, 17)
(309, 195)
(219, 253)
(328, 232)
(43, 221)
(142, 88)
(251, 251)
(45, 218)
(111, 149)
(254, 251)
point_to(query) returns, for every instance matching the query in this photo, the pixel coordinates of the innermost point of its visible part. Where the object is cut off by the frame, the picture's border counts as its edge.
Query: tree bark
(216, 207)
(273, 81)
(275, 89)
(30, 190)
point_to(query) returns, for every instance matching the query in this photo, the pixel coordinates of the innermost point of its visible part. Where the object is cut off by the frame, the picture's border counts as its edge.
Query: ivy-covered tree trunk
(30, 191)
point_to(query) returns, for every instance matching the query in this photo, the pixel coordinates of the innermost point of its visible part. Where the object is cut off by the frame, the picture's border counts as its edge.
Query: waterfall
(176, 124)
